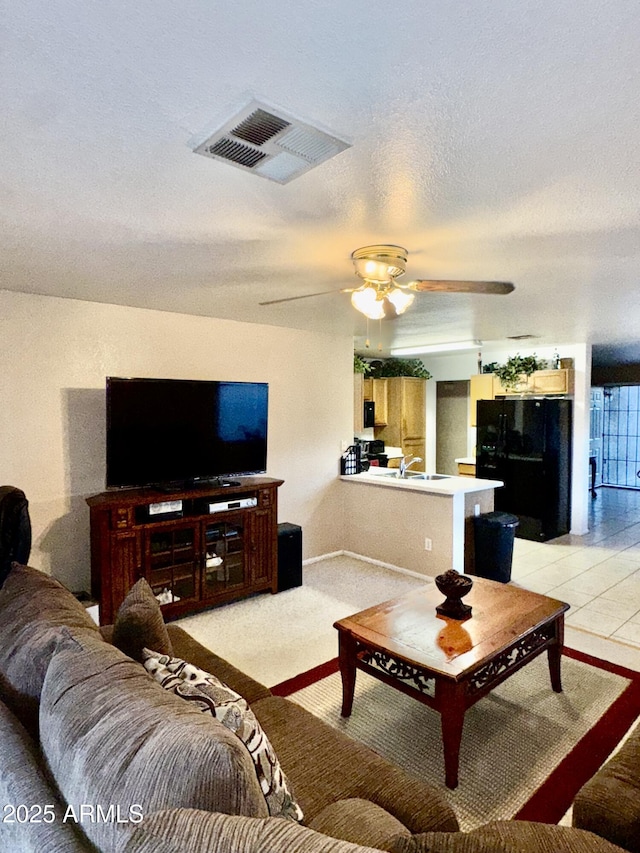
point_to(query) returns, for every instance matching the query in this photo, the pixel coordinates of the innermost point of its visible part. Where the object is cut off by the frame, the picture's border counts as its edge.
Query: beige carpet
(512, 740)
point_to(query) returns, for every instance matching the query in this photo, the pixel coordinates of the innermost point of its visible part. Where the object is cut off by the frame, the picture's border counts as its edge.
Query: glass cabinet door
(172, 563)
(225, 562)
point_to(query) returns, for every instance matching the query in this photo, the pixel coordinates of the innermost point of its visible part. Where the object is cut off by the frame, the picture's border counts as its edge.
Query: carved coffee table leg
(452, 708)
(554, 653)
(347, 655)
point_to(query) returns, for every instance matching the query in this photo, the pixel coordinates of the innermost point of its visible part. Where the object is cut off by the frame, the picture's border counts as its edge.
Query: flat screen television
(178, 432)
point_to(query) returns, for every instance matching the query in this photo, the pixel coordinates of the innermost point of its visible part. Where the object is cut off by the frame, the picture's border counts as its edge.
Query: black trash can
(494, 533)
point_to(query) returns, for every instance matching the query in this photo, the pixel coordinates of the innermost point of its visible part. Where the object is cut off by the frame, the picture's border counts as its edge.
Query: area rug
(525, 749)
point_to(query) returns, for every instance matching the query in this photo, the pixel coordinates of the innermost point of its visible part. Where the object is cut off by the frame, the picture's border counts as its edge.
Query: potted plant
(517, 369)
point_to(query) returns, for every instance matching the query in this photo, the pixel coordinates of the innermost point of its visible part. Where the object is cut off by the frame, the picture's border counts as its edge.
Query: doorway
(452, 418)
(621, 436)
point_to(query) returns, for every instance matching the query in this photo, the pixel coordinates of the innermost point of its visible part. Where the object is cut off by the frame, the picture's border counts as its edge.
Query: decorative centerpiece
(455, 586)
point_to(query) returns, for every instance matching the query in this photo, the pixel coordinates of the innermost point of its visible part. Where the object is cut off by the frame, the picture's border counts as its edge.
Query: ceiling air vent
(268, 142)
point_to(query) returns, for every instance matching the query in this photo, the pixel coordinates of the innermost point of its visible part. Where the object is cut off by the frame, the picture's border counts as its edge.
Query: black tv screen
(178, 431)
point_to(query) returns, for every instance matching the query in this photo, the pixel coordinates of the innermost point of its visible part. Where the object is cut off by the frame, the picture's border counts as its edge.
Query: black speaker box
(289, 556)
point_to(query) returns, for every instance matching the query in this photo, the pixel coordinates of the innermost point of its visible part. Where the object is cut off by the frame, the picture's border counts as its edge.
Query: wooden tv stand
(193, 558)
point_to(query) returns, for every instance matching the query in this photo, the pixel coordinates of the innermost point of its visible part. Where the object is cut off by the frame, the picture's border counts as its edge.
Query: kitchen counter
(425, 526)
(449, 485)
(466, 466)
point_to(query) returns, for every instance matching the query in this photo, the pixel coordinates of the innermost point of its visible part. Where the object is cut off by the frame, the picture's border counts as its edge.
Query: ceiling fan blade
(303, 296)
(494, 287)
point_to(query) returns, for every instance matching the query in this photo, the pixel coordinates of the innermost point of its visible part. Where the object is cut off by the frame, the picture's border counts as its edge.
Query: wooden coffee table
(449, 664)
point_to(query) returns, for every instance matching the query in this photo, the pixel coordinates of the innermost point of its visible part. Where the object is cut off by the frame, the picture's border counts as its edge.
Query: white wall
(57, 353)
(462, 365)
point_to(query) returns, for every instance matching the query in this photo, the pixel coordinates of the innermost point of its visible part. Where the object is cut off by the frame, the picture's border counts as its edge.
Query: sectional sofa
(101, 754)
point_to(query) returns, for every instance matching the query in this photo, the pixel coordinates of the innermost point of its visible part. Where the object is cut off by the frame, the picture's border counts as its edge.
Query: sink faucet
(405, 465)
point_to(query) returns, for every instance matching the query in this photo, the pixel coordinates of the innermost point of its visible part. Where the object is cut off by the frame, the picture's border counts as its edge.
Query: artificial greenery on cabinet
(516, 367)
(388, 367)
(360, 365)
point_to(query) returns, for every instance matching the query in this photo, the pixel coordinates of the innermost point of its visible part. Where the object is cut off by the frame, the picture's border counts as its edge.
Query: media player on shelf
(225, 506)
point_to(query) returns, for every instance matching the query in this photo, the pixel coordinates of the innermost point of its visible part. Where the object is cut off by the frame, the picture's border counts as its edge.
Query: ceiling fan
(380, 295)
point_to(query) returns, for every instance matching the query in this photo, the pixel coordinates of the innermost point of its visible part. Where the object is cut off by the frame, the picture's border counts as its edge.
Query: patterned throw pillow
(214, 697)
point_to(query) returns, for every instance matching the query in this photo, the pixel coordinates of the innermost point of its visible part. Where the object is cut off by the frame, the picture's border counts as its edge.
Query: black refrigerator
(527, 445)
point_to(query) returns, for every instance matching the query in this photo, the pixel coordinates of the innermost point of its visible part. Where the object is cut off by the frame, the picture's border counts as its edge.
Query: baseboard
(328, 556)
(399, 569)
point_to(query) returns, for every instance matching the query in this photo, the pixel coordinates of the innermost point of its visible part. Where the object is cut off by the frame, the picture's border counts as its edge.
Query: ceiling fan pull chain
(367, 343)
(380, 336)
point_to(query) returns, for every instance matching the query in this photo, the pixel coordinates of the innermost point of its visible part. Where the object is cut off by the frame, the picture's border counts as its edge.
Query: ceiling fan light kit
(379, 266)
(365, 299)
(370, 300)
(400, 300)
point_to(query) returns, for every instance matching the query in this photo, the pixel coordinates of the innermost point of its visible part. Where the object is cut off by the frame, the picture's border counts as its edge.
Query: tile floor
(597, 574)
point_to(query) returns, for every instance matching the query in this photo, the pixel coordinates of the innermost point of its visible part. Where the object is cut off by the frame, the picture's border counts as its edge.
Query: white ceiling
(494, 140)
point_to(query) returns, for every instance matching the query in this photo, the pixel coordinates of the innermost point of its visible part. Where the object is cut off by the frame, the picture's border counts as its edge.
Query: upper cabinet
(552, 381)
(378, 391)
(406, 417)
(480, 388)
(486, 386)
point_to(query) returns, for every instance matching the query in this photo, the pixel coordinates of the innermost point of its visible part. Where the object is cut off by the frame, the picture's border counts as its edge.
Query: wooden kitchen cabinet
(487, 386)
(194, 558)
(358, 403)
(378, 391)
(406, 417)
(466, 469)
(552, 381)
(480, 388)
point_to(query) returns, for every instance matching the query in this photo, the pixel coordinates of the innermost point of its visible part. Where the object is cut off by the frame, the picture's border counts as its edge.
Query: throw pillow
(212, 696)
(139, 623)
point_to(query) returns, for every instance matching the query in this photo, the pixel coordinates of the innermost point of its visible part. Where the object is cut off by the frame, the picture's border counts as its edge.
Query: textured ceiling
(494, 140)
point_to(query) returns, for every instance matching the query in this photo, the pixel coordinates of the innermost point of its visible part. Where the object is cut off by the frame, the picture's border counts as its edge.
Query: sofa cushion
(211, 696)
(190, 831)
(324, 765)
(24, 784)
(511, 836)
(139, 623)
(359, 821)
(609, 803)
(33, 606)
(111, 735)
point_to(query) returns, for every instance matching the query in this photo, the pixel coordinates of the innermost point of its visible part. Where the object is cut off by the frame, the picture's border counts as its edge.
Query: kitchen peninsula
(392, 520)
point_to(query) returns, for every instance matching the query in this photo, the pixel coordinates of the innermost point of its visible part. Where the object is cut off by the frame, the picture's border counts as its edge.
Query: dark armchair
(15, 529)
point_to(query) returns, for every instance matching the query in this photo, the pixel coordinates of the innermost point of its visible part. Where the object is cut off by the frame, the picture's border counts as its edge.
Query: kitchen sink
(409, 475)
(419, 475)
